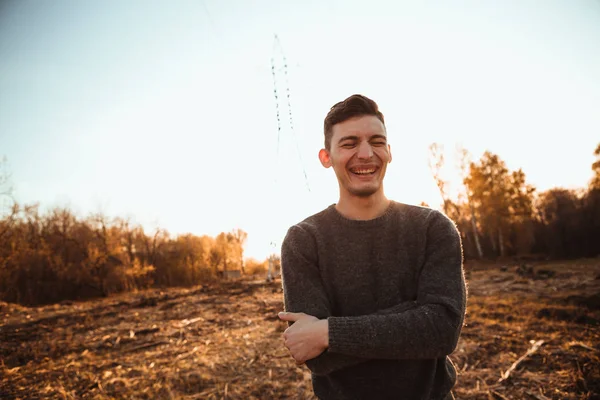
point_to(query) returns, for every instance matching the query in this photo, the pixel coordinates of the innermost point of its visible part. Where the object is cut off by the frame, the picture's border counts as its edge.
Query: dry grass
(218, 342)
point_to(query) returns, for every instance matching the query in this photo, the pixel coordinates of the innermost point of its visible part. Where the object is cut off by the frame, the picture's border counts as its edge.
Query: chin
(363, 192)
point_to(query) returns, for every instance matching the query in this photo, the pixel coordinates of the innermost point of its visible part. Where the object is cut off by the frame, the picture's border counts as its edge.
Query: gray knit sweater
(394, 293)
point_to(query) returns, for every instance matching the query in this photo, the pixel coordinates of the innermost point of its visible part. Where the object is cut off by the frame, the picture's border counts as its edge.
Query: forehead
(362, 127)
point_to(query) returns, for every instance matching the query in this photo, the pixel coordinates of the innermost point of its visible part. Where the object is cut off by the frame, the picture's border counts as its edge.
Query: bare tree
(436, 164)
(464, 162)
(595, 182)
(240, 237)
(6, 190)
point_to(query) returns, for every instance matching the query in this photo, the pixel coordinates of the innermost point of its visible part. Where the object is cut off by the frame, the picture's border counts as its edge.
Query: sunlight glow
(169, 116)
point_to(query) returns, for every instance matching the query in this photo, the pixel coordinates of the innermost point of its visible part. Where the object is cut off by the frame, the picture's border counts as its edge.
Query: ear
(390, 151)
(325, 158)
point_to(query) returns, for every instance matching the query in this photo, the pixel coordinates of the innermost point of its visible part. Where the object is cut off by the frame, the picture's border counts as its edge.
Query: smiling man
(374, 289)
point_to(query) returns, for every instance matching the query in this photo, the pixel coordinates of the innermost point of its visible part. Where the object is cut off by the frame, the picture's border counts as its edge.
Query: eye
(348, 145)
(379, 143)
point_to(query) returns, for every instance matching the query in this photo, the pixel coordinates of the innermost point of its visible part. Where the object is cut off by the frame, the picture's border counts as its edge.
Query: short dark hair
(354, 106)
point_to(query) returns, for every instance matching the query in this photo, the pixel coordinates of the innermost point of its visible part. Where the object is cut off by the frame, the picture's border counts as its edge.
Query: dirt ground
(532, 332)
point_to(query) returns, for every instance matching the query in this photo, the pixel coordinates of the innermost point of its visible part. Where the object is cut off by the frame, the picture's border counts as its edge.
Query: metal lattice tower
(279, 70)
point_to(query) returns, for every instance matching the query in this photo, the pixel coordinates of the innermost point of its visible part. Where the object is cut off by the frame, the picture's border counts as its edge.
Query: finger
(296, 357)
(299, 357)
(297, 352)
(290, 316)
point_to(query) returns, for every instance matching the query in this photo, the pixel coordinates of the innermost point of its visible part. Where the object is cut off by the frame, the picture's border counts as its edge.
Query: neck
(362, 208)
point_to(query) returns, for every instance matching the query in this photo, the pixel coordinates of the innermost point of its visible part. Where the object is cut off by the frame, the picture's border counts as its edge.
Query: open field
(216, 342)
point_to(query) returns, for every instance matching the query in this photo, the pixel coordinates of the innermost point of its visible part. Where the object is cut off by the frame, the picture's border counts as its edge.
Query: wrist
(324, 323)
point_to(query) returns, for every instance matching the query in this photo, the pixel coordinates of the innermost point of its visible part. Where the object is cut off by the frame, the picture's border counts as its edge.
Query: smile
(363, 170)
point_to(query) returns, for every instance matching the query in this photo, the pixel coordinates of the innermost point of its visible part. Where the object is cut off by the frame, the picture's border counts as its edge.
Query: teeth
(363, 171)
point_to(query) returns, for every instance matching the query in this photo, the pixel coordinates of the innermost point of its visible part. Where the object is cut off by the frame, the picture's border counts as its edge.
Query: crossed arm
(426, 328)
(307, 339)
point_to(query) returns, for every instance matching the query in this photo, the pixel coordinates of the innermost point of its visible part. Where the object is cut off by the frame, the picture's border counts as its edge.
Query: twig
(531, 350)
(187, 322)
(582, 345)
(537, 396)
(185, 355)
(146, 331)
(146, 346)
(581, 377)
(495, 395)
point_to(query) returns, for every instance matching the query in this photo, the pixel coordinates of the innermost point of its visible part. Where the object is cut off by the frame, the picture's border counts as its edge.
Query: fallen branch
(582, 345)
(531, 350)
(187, 322)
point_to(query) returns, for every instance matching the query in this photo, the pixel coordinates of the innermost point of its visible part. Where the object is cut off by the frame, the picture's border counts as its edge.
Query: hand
(307, 337)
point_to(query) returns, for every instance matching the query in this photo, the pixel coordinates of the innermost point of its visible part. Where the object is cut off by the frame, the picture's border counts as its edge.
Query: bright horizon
(166, 114)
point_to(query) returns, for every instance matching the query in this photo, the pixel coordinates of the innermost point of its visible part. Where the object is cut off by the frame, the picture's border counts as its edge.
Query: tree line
(53, 256)
(46, 258)
(499, 214)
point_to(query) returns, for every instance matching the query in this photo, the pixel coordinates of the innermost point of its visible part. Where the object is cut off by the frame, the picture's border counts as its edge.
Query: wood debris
(532, 350)
(202, 347)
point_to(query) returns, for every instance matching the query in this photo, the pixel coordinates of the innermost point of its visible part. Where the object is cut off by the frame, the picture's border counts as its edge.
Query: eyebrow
(352, 137)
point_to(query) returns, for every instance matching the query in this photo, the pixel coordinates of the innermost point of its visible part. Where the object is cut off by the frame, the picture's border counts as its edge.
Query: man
(374, 290)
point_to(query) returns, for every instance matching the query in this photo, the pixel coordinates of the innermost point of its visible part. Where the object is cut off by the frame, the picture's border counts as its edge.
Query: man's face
(359, 154)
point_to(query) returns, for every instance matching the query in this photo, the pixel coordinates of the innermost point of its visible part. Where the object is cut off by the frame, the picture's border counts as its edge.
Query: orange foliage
(56, 256)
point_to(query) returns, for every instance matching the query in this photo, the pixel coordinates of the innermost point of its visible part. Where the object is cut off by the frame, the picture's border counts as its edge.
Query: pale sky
(163, 111)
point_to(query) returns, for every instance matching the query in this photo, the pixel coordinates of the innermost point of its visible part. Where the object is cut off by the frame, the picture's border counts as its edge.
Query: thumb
(290, 316)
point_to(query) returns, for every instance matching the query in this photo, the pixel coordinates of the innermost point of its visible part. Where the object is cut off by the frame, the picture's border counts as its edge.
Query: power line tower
(283, 104)
(285, 130)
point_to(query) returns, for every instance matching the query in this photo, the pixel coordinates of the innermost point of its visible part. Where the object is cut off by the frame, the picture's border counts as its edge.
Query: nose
(365, 151)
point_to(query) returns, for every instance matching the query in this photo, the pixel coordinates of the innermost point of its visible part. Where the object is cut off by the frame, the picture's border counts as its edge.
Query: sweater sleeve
(328, 362)
(303, 291)
(430, 329)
